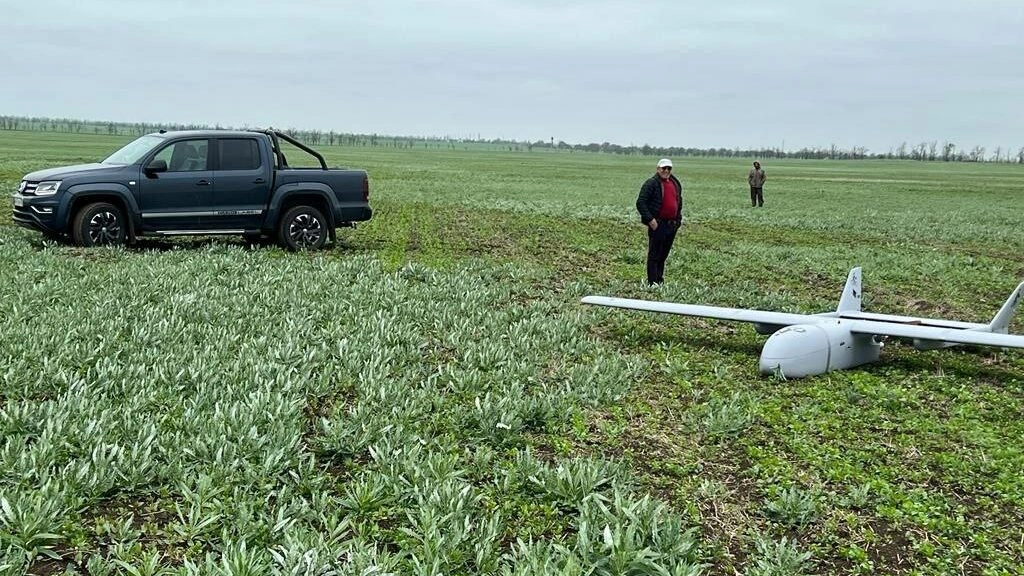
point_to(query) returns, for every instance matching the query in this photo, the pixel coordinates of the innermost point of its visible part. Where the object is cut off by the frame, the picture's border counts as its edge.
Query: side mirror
(156, 166)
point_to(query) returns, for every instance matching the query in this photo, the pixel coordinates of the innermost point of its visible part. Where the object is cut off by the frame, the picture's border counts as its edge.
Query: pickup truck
(196, 182)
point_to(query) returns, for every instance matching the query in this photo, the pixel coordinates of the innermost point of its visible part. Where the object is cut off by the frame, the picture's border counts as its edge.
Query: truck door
(241, 184)
(178, 200)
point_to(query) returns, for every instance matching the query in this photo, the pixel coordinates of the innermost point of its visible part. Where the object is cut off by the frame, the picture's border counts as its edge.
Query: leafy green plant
(628, 535)
(778, 558)
(793, 506)
(29, 525)
(727, 417)
(858, 496)
(574, 481)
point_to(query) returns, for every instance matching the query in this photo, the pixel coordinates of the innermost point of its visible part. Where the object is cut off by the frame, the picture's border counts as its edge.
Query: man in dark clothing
(660, 205)
(756, 180)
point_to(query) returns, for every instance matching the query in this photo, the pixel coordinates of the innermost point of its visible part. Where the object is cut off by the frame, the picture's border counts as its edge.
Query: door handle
(203, 183)
(258, 181)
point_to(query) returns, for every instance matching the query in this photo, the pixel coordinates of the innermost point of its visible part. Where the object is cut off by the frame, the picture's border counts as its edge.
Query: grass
(428, 397)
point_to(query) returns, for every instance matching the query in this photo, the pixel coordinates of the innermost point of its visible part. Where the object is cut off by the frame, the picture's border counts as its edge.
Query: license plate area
(19, 201)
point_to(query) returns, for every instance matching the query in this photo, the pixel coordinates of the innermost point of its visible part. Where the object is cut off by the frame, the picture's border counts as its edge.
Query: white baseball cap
(664, 162)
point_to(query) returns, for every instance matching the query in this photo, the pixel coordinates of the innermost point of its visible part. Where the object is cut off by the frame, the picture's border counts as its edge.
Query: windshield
(134, 150)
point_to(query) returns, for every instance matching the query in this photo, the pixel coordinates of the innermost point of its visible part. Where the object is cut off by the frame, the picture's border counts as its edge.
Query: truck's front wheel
(99, 224)
(302, 228)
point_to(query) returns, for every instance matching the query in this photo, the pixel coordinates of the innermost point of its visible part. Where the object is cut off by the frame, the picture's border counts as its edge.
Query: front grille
(28, 188)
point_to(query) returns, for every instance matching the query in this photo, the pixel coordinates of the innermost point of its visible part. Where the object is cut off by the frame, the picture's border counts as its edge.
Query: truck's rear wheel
(99, 224)
(302, 228)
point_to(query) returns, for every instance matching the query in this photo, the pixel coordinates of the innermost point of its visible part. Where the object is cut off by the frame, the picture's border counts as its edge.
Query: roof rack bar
(275, 134)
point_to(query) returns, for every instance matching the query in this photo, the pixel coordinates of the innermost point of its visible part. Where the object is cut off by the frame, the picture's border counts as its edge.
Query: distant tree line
(924, 151)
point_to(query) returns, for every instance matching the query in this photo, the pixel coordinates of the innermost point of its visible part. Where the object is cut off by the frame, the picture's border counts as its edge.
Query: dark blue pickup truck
(198, 183)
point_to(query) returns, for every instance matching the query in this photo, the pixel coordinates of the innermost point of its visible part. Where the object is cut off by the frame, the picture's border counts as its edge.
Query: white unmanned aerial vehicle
(809, 344)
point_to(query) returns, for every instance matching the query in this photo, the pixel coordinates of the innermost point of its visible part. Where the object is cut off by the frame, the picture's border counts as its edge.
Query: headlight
(48, 188)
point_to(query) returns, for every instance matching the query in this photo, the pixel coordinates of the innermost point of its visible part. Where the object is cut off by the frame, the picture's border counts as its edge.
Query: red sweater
(669, 205)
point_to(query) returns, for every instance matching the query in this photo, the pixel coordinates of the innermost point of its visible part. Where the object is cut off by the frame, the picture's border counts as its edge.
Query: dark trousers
(659, 243)
(756, 196)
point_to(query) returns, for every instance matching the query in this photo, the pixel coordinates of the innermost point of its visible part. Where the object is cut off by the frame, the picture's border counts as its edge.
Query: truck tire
(303, 228)
(99, 224)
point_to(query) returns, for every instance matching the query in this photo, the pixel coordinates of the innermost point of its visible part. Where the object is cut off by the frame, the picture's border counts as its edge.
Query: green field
(428, 397)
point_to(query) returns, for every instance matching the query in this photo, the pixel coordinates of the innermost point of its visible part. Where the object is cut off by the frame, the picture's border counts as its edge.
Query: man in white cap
(660, 205)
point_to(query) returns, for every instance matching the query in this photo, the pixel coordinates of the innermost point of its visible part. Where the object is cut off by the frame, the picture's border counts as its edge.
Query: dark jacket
(648, 203)
(756, 178)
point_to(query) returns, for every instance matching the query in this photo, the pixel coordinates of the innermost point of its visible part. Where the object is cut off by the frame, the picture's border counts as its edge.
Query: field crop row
(428, 397)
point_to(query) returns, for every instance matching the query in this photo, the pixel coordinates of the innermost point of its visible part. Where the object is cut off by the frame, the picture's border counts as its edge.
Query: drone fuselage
(810, 349)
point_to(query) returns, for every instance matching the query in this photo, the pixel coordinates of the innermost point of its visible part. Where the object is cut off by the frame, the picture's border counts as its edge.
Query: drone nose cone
(796, 351)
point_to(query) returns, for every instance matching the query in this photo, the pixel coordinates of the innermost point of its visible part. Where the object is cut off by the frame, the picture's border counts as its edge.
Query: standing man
(756, 180)
(660, 205)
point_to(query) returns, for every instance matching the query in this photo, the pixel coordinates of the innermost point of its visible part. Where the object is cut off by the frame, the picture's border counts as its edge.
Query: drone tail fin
(850, 300)
(1001, 321)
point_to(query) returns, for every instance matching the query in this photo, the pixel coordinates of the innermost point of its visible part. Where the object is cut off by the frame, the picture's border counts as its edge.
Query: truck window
(185, 155)
(239, 154)
(134, 150)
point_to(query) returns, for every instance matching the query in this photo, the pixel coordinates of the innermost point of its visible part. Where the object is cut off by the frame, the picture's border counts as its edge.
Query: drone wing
(936, 335)
(737, 314)
(927, 334)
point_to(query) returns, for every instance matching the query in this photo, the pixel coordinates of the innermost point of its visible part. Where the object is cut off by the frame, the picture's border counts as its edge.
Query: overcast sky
(721, 73)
